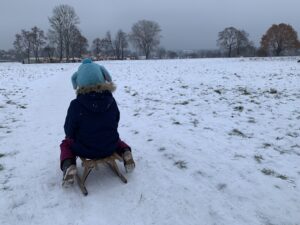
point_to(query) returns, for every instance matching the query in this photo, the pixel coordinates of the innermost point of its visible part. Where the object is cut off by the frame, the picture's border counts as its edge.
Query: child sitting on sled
(91, 124)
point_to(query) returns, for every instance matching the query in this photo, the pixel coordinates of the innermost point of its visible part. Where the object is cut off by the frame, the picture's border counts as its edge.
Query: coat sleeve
(118, 114)
(71, 122)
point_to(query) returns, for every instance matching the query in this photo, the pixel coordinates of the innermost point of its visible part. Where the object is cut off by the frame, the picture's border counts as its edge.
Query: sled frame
(90, 164)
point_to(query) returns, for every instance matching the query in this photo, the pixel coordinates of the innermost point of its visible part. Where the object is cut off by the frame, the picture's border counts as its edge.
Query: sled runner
(90, 164)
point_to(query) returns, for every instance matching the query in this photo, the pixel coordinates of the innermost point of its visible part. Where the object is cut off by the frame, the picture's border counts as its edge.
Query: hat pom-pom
(87, 60)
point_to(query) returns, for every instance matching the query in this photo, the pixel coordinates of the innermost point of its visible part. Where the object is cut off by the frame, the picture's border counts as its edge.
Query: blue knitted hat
(90, 74)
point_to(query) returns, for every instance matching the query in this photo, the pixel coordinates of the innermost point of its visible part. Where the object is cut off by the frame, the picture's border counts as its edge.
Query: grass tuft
(270, 172)
(258, 158)
(181, 164)
(236, 132)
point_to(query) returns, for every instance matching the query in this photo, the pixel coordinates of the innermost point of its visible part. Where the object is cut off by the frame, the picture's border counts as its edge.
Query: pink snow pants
(66, 152)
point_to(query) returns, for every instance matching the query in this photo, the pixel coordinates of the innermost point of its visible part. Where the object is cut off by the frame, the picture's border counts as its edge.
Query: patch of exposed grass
(266, 145)
(218, 91)
(176, 123)
(251, 120)
(182, 103)
(239, 108)
(10, 102)
(1, 167)
(244, 91)
(236, 132)
(161, 149)
(22, 106)
(255, 102)
(169, 156)
(258, 158)
(239, 156)
(184, 86)
(181, 164)
(293, 134)
(2, 155)
(283, 177)
(221, 186)
(195, 122)
(6, 188)
(295, 146)
(270, 172)
(273, 91)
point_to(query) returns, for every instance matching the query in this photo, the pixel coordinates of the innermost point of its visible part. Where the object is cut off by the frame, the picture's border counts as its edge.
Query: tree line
(64, 42)
(279, 40)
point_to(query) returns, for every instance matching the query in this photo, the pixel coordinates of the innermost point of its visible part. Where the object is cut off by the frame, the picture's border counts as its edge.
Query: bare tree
(48, 51)
(70, 22)
(279, 39)
(227, 39)
(161, 53)
(97, 47)
(27, 43)
(82, 45)
(38, 41)
(235, 42)
(23, 44)
(54, 41)
(19, 47)
(120, 44)
(108, 45)
(79, 43)
(242, 41)
(56, 33)
(62, 22)
(145, 36)
(117, 46)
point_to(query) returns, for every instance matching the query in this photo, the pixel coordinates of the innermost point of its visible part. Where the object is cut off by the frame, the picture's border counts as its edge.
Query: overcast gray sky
(185, 24)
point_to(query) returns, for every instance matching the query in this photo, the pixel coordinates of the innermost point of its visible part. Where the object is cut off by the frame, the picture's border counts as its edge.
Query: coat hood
(109, 86)
(96, 98)
(96, 102)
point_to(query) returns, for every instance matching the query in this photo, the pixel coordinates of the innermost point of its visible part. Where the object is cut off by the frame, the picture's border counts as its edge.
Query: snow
(216, 141)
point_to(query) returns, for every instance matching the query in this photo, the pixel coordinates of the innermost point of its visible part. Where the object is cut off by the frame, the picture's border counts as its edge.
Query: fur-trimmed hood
(108, 86)
(97, 98)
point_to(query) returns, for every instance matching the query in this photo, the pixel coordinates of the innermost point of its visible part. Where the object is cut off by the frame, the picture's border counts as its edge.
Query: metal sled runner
(90, 164)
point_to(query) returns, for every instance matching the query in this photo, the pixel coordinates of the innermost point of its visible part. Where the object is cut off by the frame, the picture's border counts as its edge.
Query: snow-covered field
(216, 142)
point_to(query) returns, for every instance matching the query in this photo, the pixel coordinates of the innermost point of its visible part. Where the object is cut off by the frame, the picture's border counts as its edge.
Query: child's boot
(129, 163)
(69, 171)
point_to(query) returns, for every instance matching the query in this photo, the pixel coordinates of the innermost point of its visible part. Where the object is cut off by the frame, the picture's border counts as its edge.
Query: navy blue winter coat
(92, 122)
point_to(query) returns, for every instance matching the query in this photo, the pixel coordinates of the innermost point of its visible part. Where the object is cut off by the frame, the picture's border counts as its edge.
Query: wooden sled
(90, 164)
